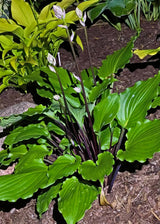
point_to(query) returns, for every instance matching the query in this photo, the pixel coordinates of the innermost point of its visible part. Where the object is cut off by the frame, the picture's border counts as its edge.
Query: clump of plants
(67, 149)
(27, 38)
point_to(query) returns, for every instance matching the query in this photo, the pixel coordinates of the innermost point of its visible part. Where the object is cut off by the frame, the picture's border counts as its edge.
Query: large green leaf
(91, 171)
(136, 100)
(7, 26)
(97, 10)
(7, 121)
(64, 166)
(22, 13)
(25, 133)
(32, 159)
(122, 7)
(105, 111)
(44, 199)
(23, 185)
(143, 141)
(118, 8)
(75, 198)
(30, 175)
(117, 60)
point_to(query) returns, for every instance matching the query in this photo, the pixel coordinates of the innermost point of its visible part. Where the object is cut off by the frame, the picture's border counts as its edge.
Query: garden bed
(136, 192)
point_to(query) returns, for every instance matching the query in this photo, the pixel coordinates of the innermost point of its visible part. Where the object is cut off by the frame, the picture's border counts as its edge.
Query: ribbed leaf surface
(75, 199)
(91, 171)
(136, 101)
(64, 166)
(44, 199)
(105, 111)
(143, 141)
(25, 133)
(116, 60)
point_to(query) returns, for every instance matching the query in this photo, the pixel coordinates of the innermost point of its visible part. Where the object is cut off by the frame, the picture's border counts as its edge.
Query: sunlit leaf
(75, 198)
(25, 133)
(97, 171)
(117, 60)
(142, 142)
(143, 53)
(136, 101)
(64, 166)
(105, 111)
(22, 12)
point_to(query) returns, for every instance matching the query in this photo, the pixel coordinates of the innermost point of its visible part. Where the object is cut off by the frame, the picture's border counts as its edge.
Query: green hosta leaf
(105, 111)
(91, 171)
(25, 133)
(45, 199)
(97, 10)
(23, 185)
(73, 97)
(116, 60)
(122, 7)
(54, 128)
(7, 121)
(64, 77)
(118, 8)
(45, 13)
(136, 100)
(45, 93)
(105, 137)
(30, 175)
(6, 41)
(156, 102)
(75, 198)
(143, 141)
(99, 89)
(22, 13)
(64, 166)
(14, 154)
(32, 159)
(78, 114)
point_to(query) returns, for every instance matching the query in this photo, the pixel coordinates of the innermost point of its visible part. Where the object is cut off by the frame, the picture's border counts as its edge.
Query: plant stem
(120, 141)
(95, 148)
(89, 55)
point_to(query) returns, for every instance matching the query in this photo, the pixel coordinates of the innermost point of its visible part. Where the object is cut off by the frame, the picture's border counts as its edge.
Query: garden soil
(136, 192)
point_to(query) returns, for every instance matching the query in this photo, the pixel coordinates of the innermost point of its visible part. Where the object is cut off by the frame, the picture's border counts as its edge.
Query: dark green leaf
(105, 137)
(44, 199)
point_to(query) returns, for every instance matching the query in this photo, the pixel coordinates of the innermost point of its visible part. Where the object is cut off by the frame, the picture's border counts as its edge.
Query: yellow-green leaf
(13, 63)
(79, 42)
(143, 53)
(22, 13)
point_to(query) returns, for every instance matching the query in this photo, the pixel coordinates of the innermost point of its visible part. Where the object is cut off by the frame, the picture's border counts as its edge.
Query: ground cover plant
(85, 127)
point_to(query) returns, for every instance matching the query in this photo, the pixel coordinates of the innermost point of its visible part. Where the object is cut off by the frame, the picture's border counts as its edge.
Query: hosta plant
(28, 36)
(65, 150)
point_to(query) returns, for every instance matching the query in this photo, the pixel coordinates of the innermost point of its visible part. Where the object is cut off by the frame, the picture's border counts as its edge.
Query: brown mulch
(136, 192)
